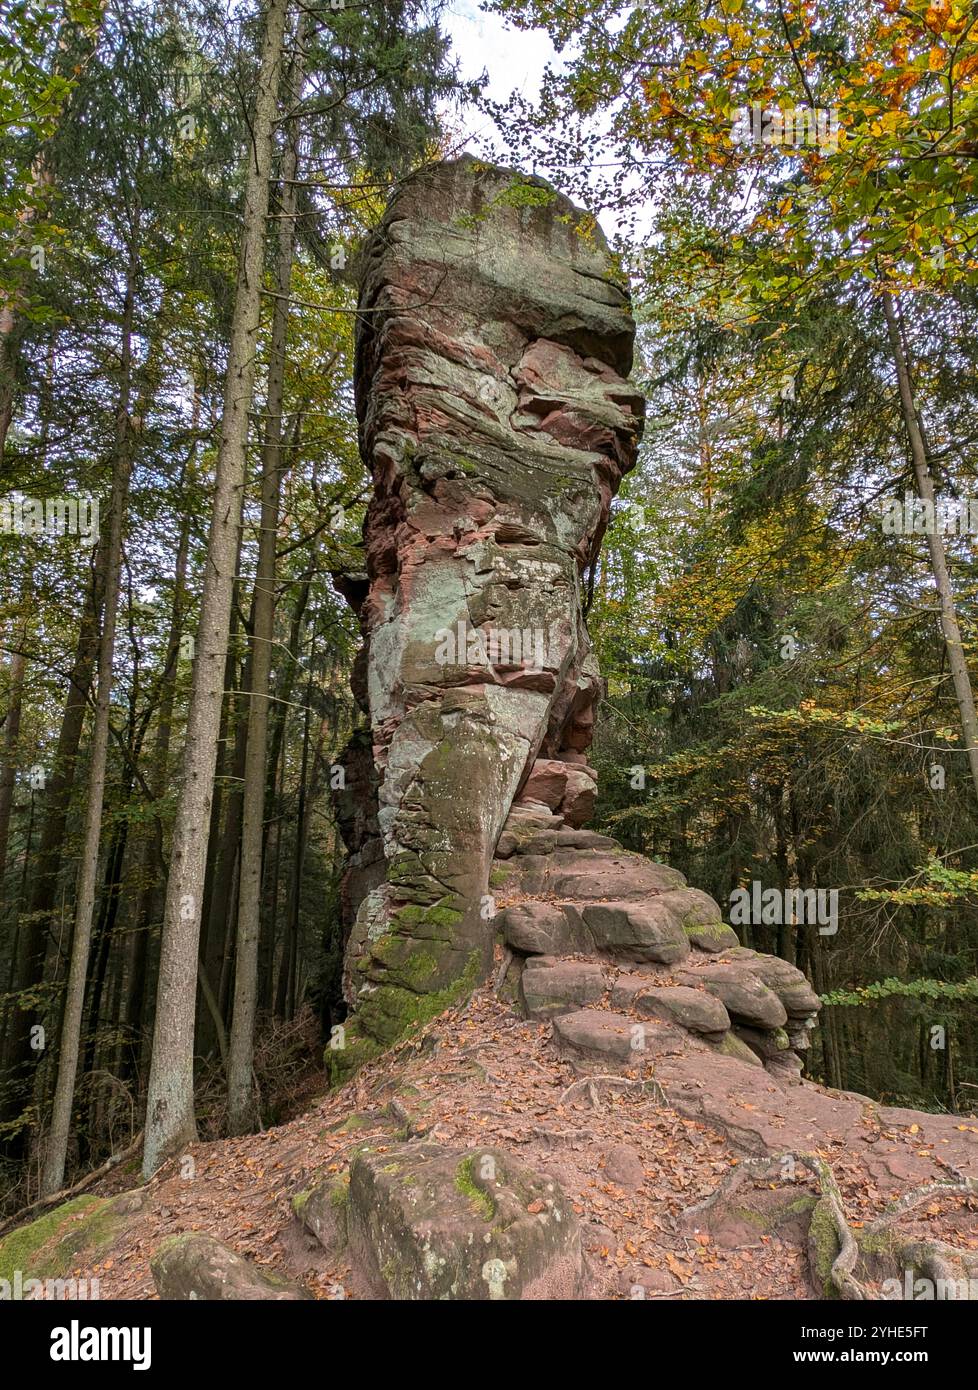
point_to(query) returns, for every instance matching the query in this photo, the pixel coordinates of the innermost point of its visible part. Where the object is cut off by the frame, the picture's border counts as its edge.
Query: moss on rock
(49, 1248)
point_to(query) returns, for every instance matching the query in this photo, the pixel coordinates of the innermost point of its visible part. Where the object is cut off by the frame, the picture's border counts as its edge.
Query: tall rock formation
(493, 349)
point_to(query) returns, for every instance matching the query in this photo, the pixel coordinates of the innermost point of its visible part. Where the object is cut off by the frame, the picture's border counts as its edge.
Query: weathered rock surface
(198, 1266)
(493, 348)
(693, 1009)
(543, 929)
(322, 1210)
(553, 986)
(604, 1036)
(642, 931)
(655, 950)
(50, 1246)
(743, 994)
(428, 1222)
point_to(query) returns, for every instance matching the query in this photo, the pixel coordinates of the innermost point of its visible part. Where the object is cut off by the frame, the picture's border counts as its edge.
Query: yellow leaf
(935, 59)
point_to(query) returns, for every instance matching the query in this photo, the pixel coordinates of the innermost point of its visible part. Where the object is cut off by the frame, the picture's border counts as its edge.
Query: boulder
(76, 1233)
(197, 1266)
(596, 875)
(766, 1043)
(601, 1035)
(551, 986)
(630, 982)
(640, 931)
(746, 998)
(577, 802)
(788, 982)
(546, 783)
(540, 842)
(322, 1209)
(693, 907)
(696, 1010)
(712, 936)
(542, 929)
(428, 1222)
(732, 1046)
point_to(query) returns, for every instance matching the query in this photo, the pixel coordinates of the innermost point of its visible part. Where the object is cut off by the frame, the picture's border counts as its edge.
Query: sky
(514, 60)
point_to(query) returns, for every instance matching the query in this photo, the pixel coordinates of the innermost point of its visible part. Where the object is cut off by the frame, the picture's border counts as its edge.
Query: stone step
(551, 986)
(600, 1035)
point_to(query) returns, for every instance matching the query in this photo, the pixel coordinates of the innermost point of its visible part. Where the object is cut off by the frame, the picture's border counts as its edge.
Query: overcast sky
(513, 60)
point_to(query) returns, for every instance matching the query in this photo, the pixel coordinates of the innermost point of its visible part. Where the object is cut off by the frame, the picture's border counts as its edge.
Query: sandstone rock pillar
(494, 343)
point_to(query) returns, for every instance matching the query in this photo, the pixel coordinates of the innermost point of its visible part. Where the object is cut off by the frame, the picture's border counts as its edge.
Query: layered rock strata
(494, 343)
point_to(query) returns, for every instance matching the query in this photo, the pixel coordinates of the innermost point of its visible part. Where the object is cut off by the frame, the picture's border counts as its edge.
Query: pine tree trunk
(152, 870)
(11, 740)
(170, 1121)
(938, 559)
(242, 1045)
(31, 953)
(52, 1177)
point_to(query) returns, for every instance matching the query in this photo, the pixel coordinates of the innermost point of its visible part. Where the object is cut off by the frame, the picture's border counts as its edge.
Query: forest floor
(630, 1164)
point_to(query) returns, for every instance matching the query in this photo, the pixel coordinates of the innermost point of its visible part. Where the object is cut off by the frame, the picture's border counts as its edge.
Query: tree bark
(938, 559)
(170, 1121)
(11, 740)
(152, 863)
(242, 1045)
(29, 963)
(52, 1177)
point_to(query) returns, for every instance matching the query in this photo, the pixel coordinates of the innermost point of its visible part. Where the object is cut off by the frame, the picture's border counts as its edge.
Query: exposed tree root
(588, 1086)
(931, 1256)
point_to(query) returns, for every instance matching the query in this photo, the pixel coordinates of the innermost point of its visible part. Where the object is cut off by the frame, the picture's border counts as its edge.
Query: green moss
(732, 1046)
(444, 916)
(409, 915)
(173, 1242)
(692, 924)
(499, 875)
(47, 1248)
(419, 966)
(351, 1123)
(823, 1243)
(389, 1013)
(880, 1243)
(468, 1187)
(754, 1218)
